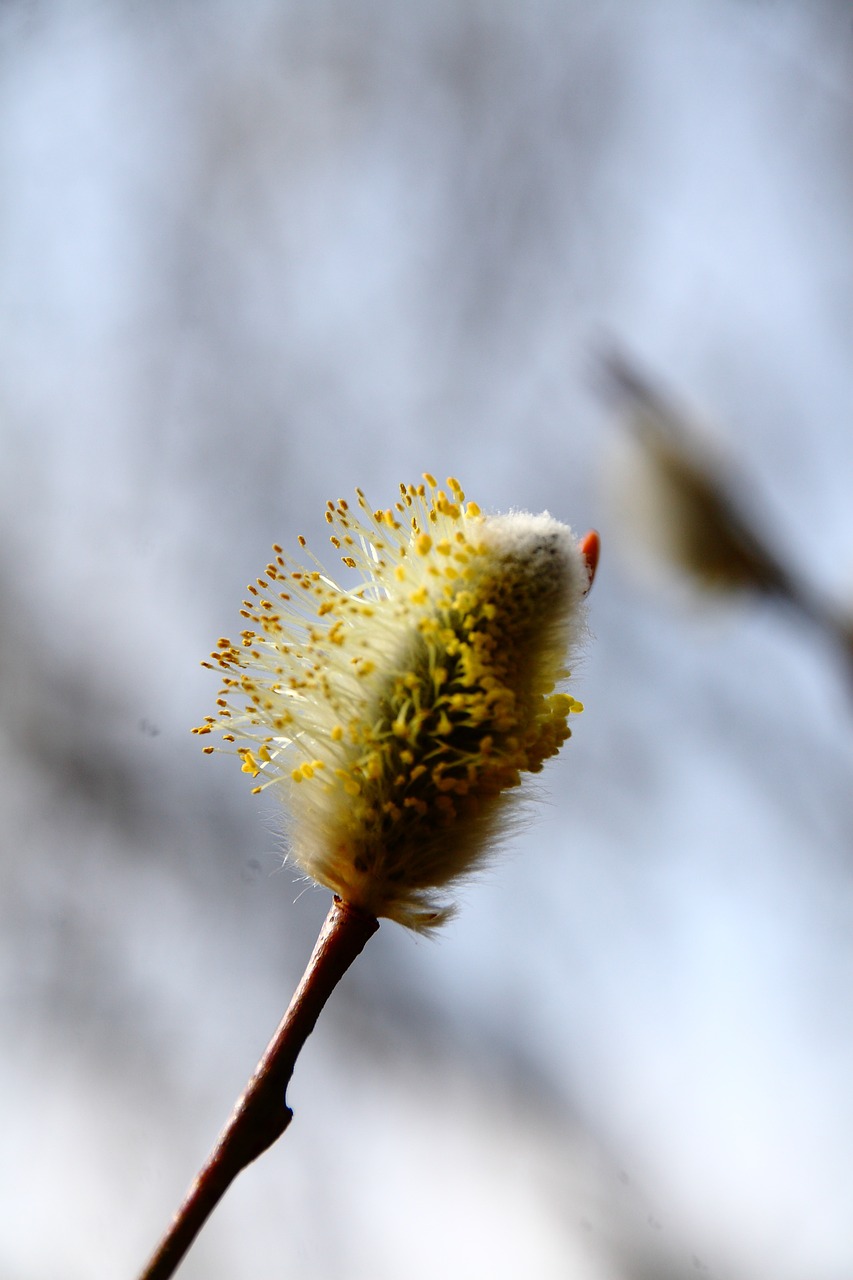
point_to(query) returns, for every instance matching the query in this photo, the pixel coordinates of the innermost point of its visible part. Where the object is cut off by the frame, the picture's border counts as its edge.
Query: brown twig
(262, 1114)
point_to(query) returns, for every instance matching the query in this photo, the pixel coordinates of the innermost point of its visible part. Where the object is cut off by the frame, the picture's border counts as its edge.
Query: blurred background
(251, 256)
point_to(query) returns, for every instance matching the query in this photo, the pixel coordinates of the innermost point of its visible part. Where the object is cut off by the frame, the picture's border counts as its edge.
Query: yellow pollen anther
(249, 763)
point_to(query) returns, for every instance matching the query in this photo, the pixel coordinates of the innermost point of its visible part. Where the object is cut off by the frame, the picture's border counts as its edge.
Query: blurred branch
(708, 531)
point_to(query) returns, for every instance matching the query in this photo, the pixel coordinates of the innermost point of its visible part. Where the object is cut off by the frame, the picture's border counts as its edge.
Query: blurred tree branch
(702, 522)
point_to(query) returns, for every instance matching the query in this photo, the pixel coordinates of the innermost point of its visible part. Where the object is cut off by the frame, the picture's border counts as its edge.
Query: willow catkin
(394, 716)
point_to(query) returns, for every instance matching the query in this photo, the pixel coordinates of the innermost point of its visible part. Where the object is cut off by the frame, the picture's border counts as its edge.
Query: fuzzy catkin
(394, 716)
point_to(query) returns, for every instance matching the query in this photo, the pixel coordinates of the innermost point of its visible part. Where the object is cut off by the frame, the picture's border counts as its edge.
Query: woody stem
(262, 1114)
